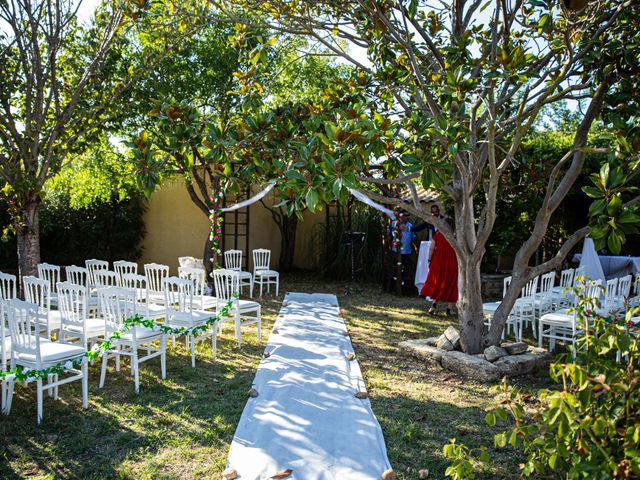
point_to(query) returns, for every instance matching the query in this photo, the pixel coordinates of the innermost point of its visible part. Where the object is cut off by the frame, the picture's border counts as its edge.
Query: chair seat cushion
(490, 308)
(55, 319)
(142, 333)
(151, 310)
(205, 303)
(94, 326)
(559, 318)
(266, 273)
(53, 352)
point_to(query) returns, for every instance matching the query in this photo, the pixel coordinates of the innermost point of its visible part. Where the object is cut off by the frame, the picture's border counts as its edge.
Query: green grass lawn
(182, 427)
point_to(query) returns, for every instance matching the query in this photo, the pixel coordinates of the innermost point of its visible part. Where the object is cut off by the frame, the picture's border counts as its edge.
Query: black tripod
(352, 239)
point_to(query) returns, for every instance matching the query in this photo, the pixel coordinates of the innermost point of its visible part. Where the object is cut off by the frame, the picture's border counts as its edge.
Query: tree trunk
(207, 256)
(470, 306)
(288, 231)
(28, 239)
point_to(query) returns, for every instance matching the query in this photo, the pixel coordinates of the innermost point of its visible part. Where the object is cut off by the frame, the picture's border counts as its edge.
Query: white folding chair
(243, 312)
(489, 309)
(122, 267)
(261, 272)
(197, 275)
(138, 283)
(609, 305)
(180, 313)
(75, 320)
(117, 305)
(562, 294)
(8, 286)
(543, 302)
(155, 274)
(5, 350)
(50, 273)
(105, 279)
(624, 291)
(36, 290)
(31, 351)
(93, 266)
(563, 325)
(233, 261)
(634, 300)
(80, 276)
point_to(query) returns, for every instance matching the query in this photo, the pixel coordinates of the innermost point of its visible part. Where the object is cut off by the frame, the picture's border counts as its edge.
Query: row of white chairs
(550, 310)
(78, 329)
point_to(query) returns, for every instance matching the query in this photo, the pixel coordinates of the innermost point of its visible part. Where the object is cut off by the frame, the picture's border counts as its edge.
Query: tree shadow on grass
(192, 408)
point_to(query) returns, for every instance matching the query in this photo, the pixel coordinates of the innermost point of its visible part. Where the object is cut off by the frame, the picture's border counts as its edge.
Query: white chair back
(50, 273)
(178, 295)
(579, 272)
(261, 259)
(122, 267)
(530, 289)
(546, 283)
(136, 282)
(566, 278)
(624, 288)
(36, 291)
(105, 278)
(610, 293)
(93, 266)
(72, 302)
(227, 283)
(197, 275)
(117, 304)
(77, 275)
(155, 274)
(24, 324)
(233, 259)
(636, 285)
(505, 285)
(8, 285)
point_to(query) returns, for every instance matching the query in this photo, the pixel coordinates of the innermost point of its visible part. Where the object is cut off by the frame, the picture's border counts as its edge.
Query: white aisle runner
(306, 417)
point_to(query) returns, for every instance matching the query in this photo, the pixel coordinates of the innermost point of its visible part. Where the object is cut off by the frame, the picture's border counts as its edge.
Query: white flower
(10, 377)
(68, 365)
(26, 370)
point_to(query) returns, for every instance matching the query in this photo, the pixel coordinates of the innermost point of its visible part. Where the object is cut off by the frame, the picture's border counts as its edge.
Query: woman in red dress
(442, 281)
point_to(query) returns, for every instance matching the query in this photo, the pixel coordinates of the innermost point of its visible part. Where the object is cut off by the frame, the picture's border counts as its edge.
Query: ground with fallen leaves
(182, 427)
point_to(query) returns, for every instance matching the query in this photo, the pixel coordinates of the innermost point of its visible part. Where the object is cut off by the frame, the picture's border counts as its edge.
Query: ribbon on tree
(364, 199)
(26, 374)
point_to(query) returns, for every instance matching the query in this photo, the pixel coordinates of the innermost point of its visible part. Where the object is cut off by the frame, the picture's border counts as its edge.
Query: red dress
(442, 281)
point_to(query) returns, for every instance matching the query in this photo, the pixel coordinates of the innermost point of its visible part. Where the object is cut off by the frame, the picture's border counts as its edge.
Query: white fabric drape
(249, 201)
(364, 199)
(591, 262)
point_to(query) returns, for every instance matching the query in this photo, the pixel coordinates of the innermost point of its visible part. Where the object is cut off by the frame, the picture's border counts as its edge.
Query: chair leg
(277, 286)
(259, 324)
(118, 358)
(39, 399)
(238, 322)
(50, 378)
(55, 389)
(163, 357)
(214, 341)
(103, 370)
(193, 351)
(135, 367)
(539, 334)
(251, 288)
(3, 394)
(7, 407)
(85, 385)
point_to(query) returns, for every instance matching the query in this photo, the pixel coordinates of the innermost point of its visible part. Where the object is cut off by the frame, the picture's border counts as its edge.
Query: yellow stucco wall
(176, 227)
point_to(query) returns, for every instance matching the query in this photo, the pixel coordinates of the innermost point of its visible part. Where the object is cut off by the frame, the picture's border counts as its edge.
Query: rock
(493, 353)
(229, 474)
(514, 365)
(423, 474)
(453, 336)
(470, 366)
(362, 395)
(515, 348)
(422, 349)
(431, 341)
(479, 355)
(444, 343)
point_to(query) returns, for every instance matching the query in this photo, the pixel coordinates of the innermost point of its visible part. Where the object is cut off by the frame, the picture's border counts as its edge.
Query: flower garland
(216, 216)
(26, 374)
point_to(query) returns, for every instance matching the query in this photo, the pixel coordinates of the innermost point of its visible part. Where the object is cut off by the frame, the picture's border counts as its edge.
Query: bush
(588, 427)
(106, 230)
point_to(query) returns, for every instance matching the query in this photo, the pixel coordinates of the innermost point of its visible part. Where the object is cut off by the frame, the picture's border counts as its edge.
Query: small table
(422, 269)
(615, 266)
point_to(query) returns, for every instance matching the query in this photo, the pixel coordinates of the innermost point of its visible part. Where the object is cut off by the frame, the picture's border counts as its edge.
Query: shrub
(589, 426)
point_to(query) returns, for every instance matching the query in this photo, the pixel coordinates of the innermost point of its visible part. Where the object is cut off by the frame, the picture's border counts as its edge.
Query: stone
(515, 348)
(444, 343)
(453, 336)
(493, 353)
(470, 366)
(431, 341)
(422, 349)
(514, 365)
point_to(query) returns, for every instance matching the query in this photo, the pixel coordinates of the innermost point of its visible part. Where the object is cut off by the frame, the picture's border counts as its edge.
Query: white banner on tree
(251, 200)
(364, 199)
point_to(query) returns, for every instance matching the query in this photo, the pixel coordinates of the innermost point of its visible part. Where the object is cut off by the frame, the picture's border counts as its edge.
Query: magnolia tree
(445, 97)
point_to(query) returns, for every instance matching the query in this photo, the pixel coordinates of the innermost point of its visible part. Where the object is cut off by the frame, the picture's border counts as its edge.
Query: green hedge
(108, 231)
